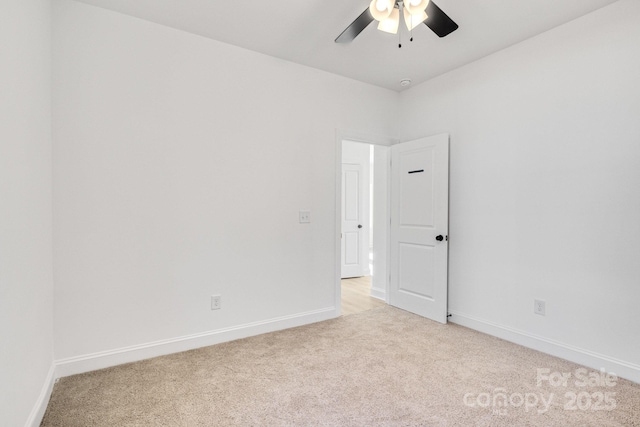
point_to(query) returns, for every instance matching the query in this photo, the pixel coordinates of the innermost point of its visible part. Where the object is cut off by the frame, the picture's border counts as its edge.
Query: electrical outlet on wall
(216, 302)
(539, 307)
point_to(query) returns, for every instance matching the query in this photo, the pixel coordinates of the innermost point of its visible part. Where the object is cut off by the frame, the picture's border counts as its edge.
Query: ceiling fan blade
(438, 21)
(356, 27)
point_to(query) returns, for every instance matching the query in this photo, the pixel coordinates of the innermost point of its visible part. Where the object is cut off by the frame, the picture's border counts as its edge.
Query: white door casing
(353, 247)
(419, 215)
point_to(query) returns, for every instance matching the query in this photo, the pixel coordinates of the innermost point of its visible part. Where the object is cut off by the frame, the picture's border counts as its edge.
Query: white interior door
(419, 226)
(353, 246)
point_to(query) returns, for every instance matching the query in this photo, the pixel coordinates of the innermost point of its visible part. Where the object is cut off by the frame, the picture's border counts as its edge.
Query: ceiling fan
(387, 13)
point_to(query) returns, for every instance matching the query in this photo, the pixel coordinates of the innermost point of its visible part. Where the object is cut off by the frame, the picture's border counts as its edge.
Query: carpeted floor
(383, 367)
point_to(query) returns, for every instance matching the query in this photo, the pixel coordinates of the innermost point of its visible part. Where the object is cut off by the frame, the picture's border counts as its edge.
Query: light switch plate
(305, 217)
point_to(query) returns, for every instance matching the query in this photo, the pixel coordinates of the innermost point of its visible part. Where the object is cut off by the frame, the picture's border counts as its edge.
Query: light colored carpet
(382, 367)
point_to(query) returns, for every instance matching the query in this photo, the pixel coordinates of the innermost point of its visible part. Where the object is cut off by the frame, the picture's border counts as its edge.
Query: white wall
(545, 179)
(26, 287)
(180, 166)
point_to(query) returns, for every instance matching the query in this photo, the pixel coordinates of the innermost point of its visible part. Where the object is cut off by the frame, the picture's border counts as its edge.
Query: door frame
(366, 139)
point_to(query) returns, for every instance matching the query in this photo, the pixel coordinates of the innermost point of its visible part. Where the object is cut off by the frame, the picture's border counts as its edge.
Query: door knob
(439, 238)
(359, 226)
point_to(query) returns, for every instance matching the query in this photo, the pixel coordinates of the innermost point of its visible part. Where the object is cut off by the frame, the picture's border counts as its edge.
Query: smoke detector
(405, 82)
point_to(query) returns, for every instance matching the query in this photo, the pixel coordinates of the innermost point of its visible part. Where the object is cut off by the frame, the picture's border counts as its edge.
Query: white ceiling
(303, 31)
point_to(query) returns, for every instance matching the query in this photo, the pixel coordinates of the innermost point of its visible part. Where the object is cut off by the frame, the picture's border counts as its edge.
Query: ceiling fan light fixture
(413, 20)
(390, 25)
(381, 9)
(437, 20)
(415, 6)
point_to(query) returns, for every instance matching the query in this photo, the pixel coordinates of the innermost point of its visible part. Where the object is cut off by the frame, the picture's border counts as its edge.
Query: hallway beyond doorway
(356, 295)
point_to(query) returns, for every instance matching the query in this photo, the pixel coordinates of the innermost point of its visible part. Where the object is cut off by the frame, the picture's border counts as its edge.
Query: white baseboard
(379, 293)
(105, 359)
(622, 369)
(35, 417)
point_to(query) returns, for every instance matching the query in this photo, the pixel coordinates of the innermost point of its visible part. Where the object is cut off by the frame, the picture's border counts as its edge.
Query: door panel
(352, 193)
(352, 252)
(419, 213)
(416, 270)
(416, 211)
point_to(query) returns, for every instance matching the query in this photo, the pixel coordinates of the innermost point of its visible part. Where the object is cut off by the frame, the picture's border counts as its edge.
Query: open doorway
(410, 255)
(364, 226)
